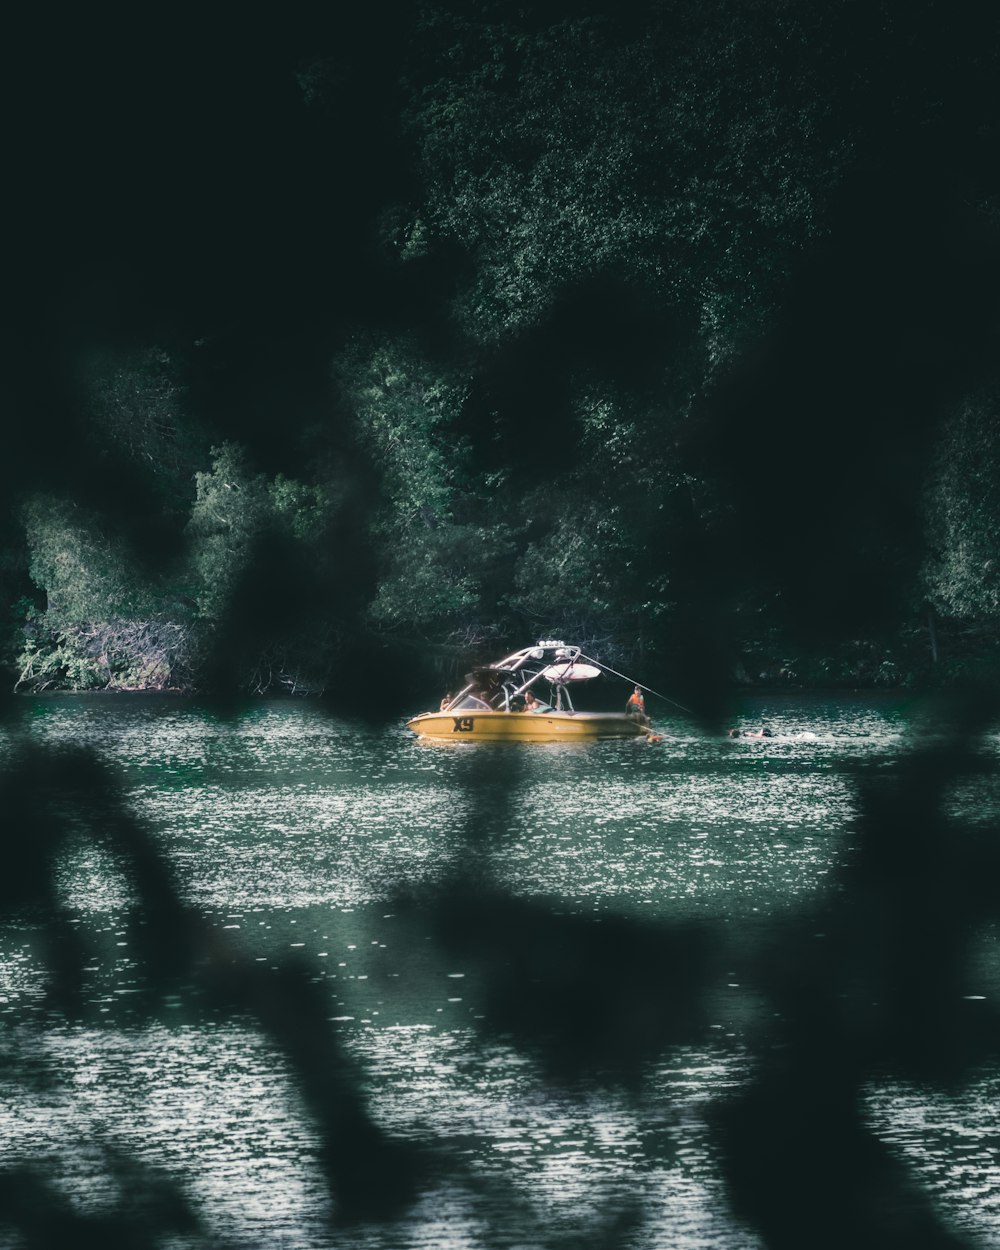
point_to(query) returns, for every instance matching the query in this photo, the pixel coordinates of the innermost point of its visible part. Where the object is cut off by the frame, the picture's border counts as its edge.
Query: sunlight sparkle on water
(292, 834)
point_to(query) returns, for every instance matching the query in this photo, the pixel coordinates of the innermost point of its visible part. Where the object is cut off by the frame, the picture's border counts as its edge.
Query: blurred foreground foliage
(679, 340)
(871, 982)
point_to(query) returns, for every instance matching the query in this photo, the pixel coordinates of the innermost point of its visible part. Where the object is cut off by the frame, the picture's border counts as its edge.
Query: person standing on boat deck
(636, 705)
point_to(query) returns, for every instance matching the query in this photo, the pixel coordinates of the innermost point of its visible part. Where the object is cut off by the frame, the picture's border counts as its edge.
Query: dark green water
(296, 835)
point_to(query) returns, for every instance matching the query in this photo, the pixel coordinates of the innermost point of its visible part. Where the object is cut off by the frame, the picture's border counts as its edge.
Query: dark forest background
(344, 341)
(429, 329)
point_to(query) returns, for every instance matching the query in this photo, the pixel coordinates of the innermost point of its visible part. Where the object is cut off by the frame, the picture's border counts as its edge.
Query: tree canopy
(654, 324)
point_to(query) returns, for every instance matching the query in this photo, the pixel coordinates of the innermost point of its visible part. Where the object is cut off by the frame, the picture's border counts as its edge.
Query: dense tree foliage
(650, 338)
(666, 327)
(684, 153)
(104, 623)
(961, 572)
(107, 623)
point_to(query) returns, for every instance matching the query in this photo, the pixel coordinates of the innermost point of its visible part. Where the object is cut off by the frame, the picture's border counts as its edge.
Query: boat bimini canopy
(550, 661)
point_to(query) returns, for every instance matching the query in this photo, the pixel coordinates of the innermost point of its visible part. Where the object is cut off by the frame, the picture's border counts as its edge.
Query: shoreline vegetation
(345, 347)
(721, 404)
(858, 666)
(262, 585)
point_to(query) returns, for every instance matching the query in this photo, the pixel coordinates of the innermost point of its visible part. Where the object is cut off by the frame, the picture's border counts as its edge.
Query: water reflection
(293, 835)
(214, 1110)
(952, 1143)
(285, 808)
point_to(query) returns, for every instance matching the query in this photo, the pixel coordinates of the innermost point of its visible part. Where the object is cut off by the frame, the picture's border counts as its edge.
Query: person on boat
(636, 705)
(472, 703)
(531, 704)
(446, 700)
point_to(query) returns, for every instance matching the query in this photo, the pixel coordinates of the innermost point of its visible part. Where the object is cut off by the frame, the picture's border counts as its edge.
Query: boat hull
(478, 726)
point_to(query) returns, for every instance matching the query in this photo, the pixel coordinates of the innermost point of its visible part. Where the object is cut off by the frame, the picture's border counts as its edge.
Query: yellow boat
(500, 702)
(494, 725)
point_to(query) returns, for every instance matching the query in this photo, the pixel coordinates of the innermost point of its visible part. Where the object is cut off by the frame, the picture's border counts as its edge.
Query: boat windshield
(471, 703)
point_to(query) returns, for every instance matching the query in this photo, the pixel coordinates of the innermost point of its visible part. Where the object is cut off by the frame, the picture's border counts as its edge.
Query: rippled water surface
(296, 835)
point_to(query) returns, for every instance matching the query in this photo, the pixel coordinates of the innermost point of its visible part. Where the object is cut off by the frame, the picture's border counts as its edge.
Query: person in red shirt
(636, 705)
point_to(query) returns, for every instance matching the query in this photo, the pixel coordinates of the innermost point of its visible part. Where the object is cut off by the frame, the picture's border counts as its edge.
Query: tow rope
(648, 689)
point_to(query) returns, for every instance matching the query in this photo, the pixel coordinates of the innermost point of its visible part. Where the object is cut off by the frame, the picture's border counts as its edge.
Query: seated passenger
(531, 704)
